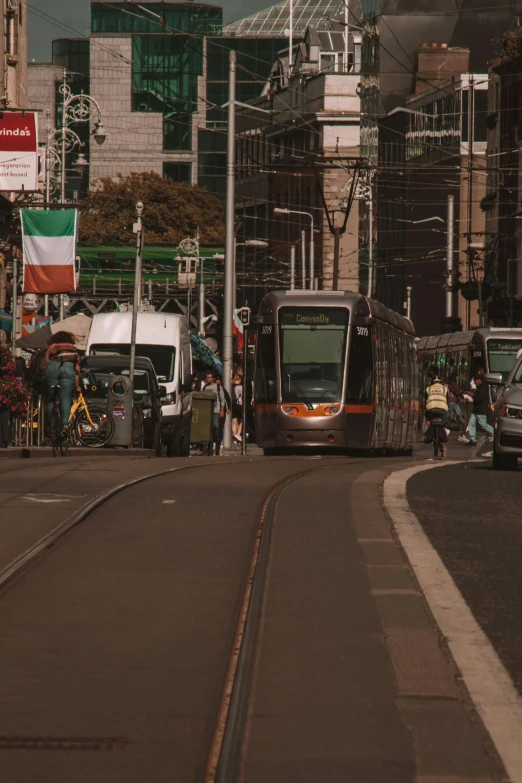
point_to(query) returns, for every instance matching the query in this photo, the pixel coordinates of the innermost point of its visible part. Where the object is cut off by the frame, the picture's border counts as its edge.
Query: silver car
(508, 418)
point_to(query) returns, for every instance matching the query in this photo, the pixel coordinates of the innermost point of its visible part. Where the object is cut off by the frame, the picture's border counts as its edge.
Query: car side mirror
(494, 378)
(162, 391)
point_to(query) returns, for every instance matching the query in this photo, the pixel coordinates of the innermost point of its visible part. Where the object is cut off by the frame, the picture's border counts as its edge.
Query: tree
(172, 211)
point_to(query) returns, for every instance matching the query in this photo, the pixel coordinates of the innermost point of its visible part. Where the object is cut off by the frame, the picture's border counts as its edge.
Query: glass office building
(173, 61)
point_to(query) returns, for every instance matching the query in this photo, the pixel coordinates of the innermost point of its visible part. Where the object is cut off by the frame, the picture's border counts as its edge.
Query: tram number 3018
(362, 331)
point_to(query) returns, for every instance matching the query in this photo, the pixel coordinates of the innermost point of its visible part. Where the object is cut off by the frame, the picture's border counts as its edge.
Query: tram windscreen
(502, 355)
(313, 349)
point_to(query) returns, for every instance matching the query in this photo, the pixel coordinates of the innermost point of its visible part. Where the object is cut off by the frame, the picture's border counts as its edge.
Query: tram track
(222, 753)
(225, 751)
(30, 556)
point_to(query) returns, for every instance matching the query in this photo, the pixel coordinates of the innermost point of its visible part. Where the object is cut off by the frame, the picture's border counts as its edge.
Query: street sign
(244, 315)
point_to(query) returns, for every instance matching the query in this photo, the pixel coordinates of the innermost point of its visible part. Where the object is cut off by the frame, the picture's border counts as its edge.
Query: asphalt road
(472, 516)
(114, 645)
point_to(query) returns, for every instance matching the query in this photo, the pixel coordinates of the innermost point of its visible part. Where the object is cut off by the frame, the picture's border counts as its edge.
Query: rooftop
(274, 21)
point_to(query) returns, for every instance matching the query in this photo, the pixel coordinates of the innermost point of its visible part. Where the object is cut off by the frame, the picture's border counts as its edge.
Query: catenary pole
(292, 267)
(312, 255)
(228, 303)
(137, 290)
(370, 246)
(450, 255)
(303, 259)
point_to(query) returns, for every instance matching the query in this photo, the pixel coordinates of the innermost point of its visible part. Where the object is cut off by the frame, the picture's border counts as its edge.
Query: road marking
(169, 501)
(48, 497)
(489, 684)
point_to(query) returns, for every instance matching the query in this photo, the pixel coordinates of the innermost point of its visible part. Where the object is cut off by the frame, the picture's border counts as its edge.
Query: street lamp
(60, 142)
(285, 211)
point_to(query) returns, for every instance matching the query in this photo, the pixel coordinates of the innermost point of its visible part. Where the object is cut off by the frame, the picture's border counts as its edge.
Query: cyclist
(436, 407)
(62, 367)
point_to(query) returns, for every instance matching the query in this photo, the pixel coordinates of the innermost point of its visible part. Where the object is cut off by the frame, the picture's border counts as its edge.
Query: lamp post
(285, 211)
(62, 141)
(138, 230)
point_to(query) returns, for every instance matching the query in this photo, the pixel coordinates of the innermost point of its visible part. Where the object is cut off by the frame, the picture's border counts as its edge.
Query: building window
(328, 62)
(179, 172)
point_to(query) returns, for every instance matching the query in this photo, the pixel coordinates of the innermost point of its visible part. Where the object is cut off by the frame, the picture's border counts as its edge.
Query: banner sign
(49, 247)
(18, 150)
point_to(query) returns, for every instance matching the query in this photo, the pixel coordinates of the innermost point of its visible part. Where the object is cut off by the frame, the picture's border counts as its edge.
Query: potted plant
(14, 397)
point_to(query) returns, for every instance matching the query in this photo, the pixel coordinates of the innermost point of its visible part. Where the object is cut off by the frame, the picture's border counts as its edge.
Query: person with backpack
(62, 368)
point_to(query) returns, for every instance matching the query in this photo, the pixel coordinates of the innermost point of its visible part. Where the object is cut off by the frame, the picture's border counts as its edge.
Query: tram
(492, 349)
(334, 370)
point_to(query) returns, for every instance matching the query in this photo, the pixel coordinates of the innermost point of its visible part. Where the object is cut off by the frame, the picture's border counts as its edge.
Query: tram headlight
(290, 410)
(331, 410)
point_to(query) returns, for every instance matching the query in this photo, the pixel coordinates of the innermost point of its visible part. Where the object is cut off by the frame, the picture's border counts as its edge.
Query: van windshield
(163, 357)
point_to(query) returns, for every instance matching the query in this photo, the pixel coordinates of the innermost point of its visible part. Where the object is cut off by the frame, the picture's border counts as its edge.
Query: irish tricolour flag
(49, 245)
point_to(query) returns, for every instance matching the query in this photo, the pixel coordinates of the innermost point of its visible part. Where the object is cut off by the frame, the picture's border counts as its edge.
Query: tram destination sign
(291, 316)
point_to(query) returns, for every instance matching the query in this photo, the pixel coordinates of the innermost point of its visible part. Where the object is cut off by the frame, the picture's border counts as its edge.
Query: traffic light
(244, 315)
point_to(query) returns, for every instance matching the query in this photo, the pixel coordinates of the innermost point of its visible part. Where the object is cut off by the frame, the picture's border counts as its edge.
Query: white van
(165, 339)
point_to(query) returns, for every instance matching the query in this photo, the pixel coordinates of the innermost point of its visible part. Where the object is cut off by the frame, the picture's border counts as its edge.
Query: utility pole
(228, 303)
(337, 250)
(303, 259)
(14, 307)
(138, 230)
(292, 267)
(291, 36)
(370, 246)
(450, 256)
(312, 255)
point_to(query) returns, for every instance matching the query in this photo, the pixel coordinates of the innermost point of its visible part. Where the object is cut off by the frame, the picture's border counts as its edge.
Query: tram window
(312, 353)
(360, 368)
(265, 381)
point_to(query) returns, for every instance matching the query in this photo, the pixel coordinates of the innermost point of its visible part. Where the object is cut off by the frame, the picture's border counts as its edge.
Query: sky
(48, 19)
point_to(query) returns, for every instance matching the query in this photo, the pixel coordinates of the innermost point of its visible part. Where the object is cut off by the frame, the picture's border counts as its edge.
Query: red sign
(18, 150)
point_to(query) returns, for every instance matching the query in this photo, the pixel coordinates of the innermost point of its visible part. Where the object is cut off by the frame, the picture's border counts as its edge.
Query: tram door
(359, 397)
(265, 386)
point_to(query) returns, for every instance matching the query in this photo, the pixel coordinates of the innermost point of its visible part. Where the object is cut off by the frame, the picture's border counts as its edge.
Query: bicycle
(92, 426)
(438, 445)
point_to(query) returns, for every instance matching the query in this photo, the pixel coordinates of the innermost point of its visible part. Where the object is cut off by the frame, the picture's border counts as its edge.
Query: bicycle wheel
(64, 441)
(96, 434)
(436, 442)
(56, 430)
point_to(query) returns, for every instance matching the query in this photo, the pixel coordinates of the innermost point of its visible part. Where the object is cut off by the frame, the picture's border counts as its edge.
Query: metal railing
(29, 430)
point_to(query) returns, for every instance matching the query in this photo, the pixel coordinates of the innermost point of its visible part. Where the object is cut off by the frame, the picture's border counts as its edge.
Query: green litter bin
(201, 421)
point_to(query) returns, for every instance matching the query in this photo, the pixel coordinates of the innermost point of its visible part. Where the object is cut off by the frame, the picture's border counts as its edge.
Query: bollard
(31, 421)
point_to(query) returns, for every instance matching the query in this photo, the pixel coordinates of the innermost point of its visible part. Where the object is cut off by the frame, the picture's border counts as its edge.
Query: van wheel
(174, 446)
(504, 461)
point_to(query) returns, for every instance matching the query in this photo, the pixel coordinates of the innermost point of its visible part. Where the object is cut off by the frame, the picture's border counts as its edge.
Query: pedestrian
(237, 407)
(210, 385)
(480, 411)
(455, 394)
